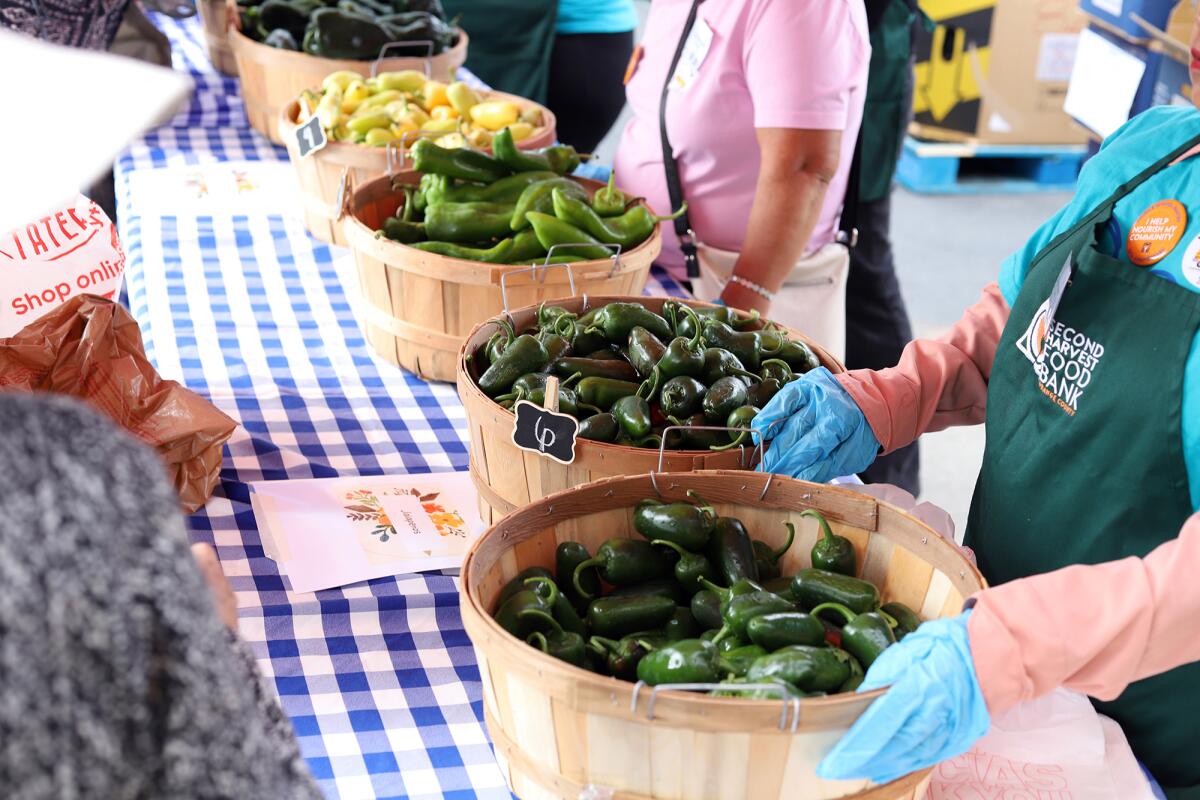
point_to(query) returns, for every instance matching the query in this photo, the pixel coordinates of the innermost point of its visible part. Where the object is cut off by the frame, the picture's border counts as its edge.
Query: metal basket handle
(343, 194)
(788, 702)
(400, 148)
(544, 268)
(427, 64)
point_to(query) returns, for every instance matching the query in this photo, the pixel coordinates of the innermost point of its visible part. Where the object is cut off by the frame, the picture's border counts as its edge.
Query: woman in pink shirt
(762, 117)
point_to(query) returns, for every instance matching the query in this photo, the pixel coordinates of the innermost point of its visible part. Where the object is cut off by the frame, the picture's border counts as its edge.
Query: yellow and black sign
(946, 93)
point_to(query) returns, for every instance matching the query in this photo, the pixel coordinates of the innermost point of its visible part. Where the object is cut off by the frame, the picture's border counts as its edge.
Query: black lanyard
(683, 225)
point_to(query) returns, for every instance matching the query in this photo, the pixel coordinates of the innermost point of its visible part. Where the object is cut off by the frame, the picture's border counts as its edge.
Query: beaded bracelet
(752, 286)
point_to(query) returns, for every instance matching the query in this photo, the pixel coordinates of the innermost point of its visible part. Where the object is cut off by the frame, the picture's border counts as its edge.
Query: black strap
(683, 226)
(848, 227)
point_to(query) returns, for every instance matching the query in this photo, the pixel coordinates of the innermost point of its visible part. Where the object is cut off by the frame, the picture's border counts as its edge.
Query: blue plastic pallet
(967, 168)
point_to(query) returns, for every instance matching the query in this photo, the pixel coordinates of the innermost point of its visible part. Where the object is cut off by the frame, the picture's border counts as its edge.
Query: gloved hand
(815, 430)
(934, 709)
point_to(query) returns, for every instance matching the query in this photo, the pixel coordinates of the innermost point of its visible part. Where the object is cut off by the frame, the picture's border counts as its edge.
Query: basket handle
(788, 702)
(345, 187)
(400, 148)
(427, 63)
(615, 257)
(541, 276)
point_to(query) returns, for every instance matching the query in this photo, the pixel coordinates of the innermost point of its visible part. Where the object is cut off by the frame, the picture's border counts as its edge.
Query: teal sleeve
(1016, 266)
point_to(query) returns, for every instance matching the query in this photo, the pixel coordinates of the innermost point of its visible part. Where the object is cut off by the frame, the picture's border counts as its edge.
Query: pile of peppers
(355, 30)
(629, 373)
(512, 206)
(696, 599)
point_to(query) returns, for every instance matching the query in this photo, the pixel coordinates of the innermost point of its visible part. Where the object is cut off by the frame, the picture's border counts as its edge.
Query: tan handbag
(812, 299)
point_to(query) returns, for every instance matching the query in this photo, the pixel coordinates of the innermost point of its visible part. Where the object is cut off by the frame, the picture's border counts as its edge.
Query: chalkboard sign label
(545, 432)
(310, 137)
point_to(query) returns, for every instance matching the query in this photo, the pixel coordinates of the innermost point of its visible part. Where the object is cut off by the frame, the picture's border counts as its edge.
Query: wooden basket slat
(935, 596)
(213, 19)
(571, 740)
(907, 580)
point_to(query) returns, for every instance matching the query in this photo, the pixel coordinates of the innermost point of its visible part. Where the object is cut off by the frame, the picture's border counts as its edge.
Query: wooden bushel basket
(271, 78)
(216, 36)
(508, 477)
(419, 306)
(558, 729)
(320, 173)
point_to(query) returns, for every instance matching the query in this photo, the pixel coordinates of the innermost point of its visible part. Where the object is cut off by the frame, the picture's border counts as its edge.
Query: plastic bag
(91, 348)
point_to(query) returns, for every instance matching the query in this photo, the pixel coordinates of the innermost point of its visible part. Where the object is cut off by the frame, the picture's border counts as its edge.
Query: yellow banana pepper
(461, 96)
(408, 80)
(341, 79)
(495, 114)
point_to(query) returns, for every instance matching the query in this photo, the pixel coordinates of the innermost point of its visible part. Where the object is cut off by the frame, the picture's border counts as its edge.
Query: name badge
(694, 50)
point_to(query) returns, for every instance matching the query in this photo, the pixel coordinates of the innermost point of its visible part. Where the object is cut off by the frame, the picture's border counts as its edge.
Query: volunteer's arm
(794, 174)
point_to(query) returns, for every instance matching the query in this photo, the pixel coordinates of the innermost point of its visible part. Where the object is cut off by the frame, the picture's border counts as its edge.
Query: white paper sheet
(1103, 82)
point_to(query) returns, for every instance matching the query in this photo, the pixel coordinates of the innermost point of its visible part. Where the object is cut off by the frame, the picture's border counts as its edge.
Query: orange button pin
(1156, 232)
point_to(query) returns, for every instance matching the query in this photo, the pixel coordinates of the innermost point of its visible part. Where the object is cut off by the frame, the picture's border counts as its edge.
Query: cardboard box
(1128, 17)
(997, 72)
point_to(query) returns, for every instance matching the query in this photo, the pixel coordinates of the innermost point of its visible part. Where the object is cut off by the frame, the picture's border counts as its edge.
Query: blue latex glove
(934, 709)
(815, 430)
(596, 170)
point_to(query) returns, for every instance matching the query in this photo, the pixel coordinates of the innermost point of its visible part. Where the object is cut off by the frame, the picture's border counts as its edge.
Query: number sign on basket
(311, 136)
(545, 432)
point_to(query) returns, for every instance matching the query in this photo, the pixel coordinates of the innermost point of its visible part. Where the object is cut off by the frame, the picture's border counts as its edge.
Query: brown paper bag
(91, 348)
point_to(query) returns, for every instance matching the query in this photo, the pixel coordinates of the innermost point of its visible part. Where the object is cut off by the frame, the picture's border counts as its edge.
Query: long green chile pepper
(403, 231)
(614, 617)
(552, 231)
(568, 556)
(690, 567)
(538, 197)
(603, 392)
(629, 229)
(601, 427)
(496, 254)
(768, 559)
(645, 350)
(467, 165)
(832, 553)
(739, 418)
(720, 363)
(864, 636)
(732, 551)
(526, 247)
(505, 190)
(594, 368)
(557, 160)
(623, 562)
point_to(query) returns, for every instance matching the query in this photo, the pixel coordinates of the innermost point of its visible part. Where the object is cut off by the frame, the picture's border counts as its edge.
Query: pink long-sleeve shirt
(1126, 615)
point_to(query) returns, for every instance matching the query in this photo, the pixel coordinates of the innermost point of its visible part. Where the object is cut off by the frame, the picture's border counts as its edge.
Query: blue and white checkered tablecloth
(247, 309)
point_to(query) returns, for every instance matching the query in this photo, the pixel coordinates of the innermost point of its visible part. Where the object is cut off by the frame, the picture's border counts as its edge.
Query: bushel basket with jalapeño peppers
(513, 207)
(629, 374)
(697, 599)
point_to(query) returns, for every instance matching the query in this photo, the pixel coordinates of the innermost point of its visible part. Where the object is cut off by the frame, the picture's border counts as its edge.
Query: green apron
(510, 42)
(886, 109)
(1084, 459)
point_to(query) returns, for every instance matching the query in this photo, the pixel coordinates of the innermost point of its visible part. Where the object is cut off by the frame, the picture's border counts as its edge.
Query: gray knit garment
(117, 680)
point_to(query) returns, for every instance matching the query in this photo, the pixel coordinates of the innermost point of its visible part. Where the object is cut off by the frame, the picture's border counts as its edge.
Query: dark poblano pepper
(799, 357)
(684, 356)
(681, 625)
(720, 363)
(623, 562)
(732, 552)
(690, 567)
(568, 556)
(682, 397)
(686, 661)
(518, 583)
(723, 398)
(739, 421)
(499, 340)
(761, 393)
(778, 369)
(694, 437)
(768, 559)
(812, 587)
(566, 616)
(610, 201)
(531, 609)
(557, 346)
(687, 525)
(563, 645)
(645, 350)
(864, 636)
(525, 354)
(745, 345)
(706, 608)
(601, 427)
(616, 320)
(539, 197)
(821, 669)
(832, 553)
(604, 392)
(686, 327)
(785, 628)
(614, 617)
(633, 415)
(461, 163)
(906, 619)
(594, 368)
(334, 33)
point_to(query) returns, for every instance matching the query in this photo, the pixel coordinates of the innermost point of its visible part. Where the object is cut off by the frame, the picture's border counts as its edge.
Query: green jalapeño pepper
(531, 609)
(768, 559)
(744, 345)
(604, 392)
(906, 619)
(539, 197)
(496, 254)
(723, 398)
(568, 556)
(681, 625)
(614, 617)
(732, 552)
(832, 553)
(684, 524)
(738, 422)
(690, 567)
(684, 356)
(857, 676)
(686, 661)
(799, 357)
(461, 163)
(785, 628)
(467, 222)
(820, 669)
(737, 661)
(682, 397)
(645, 350)
(623, 562)
(813, 587)
(621, 657)
(864, 636)
(616, 320)
(552, 231)
(609, 201)
(556, 346)
(666, 587)
(629, 229)
(742, 608)
(518, 583)
(563, 645)
(600, 428)
(526, 354)
(633, 415)
(594, 368)
(706, 608)
(720, 363)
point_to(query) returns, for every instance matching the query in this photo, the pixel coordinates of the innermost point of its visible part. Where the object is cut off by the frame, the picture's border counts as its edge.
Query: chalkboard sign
(310, 136)
(545, 432)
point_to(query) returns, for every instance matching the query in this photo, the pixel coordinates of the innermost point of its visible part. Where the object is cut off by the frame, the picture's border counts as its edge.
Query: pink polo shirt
(771, 64)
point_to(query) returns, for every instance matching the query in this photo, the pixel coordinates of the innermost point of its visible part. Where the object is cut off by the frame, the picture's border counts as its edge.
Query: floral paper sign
(333, 531)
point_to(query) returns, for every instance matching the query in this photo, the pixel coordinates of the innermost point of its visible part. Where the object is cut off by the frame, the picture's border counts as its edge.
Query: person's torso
(596, 16)
(711, 124)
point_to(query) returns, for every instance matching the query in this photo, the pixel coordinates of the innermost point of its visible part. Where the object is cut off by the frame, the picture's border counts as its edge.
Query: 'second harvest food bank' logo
(1063, 358)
